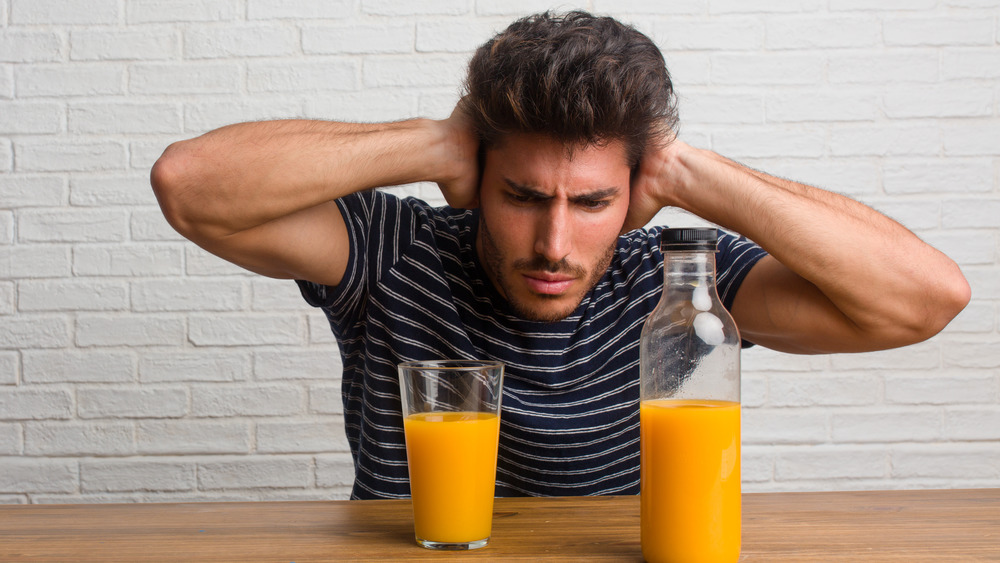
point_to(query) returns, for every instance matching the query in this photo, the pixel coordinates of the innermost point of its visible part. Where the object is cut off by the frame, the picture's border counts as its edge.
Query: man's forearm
(244, 175)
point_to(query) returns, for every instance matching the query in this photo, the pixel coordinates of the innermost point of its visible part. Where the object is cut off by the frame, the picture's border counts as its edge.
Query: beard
(494, 260)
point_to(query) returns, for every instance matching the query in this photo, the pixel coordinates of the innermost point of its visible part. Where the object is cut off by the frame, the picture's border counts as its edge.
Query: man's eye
(594, 203)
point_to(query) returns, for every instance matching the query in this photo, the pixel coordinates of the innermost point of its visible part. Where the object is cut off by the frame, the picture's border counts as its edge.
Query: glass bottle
(689, 413)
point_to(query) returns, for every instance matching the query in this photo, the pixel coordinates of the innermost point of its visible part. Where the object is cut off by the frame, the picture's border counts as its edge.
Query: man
(561, 149)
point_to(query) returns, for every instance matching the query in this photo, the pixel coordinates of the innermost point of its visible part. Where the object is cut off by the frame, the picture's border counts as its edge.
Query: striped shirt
(414, 290)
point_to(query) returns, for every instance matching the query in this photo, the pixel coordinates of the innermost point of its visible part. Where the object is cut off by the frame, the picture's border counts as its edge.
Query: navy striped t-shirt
(414, 290)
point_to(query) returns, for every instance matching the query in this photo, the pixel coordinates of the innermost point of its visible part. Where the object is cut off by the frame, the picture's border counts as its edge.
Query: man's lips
(547, 284)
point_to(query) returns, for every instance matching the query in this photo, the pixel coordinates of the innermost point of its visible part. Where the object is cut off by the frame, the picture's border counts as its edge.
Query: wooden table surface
(872, 526)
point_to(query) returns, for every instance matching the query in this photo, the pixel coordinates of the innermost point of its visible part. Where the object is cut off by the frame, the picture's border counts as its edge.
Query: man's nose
(553, 240)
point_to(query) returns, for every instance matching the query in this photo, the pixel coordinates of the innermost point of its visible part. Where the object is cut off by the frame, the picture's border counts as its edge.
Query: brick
(202, 365)
(800, 390)
(291, 365)
(810, 32)
(163, 79)
(6, 298)
(964, 247)
(358, 39)
(256, 472)
(78, 439)
(410, 71)
(129, 330)
(938, 101)
(11, 440)
(73, 225)
(150, 225)
(301, 437)
(970, 63)
(125, 118)
(762, 6)
(915, 215)
(213, 42)
(325, 399)
(39, 476)
(398, 8)
(107, 45)
(65, 12)
(334, 470)
(245, 330)
(69, 156)
(161, 295)
(937, 31)
(770, 142)
(883, 67)
(6, 227)
(853, 5)
(144, 153)
(188, 437)
(303, 9)
(35, 404)
(371, 105)
(69, 80)
(886, 426)
(783, 426)
(971, 354)
(925, 355)
(454, 36)
(30, 118)
(72, 295)
(64, 366)
(689, 69)
(981, 212)
(127, 402)
(973, 423)
(32, 191)
(756, 463)
(722, 34)
(938, 177)
(270, 294)
(976, 317)
(769, 69)
(645, 6)
(136, 475)
(6, 82)
(131, 261)
(947, 461)
(9, 368)
(202, 116)
(176, 11)
(829, 462)
(970, 140)
(6, 158)
(31, 331)
(822, 106)
(319, 329)
(302, 76)
(708, 106)
(885, 139)
(30, 46)
(851, 177)
(234, 400)
(941, 388)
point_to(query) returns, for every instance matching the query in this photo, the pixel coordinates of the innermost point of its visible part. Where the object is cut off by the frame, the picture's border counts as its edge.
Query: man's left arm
(840, 277)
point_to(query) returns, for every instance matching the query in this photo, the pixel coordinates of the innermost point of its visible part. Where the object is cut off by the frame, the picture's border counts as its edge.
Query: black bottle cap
(689, 239)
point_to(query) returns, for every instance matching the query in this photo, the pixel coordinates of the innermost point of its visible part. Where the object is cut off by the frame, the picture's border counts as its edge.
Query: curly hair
(579, 78)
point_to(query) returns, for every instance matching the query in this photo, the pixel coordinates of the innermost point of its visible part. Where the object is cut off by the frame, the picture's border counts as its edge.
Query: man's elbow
(943, 303)
(172, 185)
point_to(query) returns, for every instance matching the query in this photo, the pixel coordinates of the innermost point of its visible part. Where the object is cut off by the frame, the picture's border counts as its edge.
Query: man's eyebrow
(596, 195)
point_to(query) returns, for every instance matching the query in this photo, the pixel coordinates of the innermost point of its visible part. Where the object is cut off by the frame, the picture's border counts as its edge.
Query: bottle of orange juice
(689, 411)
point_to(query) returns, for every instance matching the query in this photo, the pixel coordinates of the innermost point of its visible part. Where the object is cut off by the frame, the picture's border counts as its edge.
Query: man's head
(564, 108)
(578, 78)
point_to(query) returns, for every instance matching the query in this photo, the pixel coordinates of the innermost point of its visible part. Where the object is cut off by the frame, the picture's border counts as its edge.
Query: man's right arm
(262, 195)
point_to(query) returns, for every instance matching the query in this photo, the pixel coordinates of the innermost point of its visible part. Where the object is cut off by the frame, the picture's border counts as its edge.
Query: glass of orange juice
(451, 420)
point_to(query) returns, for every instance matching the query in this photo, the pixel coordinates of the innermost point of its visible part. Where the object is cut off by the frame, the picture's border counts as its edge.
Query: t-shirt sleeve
(734, 258)
(378, 225)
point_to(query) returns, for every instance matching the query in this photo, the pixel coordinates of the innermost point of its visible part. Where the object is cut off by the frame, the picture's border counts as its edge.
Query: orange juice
(452, 458)
(690, 480)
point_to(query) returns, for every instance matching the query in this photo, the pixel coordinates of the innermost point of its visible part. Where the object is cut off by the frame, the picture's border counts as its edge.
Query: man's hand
(459, 181)
(653, 183)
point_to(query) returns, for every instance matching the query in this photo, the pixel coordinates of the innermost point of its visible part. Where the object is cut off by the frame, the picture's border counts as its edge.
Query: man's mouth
(545, 283)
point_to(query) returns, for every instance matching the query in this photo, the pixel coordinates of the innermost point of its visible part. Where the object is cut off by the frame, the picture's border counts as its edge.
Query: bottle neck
(689, 266)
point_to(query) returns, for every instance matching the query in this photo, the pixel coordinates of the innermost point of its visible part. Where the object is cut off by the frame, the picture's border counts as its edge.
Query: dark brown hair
(579, 78)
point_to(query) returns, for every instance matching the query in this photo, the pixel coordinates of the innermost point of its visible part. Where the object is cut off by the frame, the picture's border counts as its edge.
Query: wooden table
(910, 526)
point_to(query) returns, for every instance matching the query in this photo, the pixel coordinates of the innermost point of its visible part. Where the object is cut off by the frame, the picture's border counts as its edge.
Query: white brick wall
(137, 367)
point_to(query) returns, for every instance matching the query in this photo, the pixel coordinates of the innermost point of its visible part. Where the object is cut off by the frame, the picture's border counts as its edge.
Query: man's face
(550, 220)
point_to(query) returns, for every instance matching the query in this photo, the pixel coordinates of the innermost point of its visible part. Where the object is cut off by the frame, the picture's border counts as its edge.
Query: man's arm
(840, 277)
(262, 194)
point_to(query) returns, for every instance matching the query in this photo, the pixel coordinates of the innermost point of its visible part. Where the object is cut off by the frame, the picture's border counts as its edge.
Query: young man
(559, 152)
